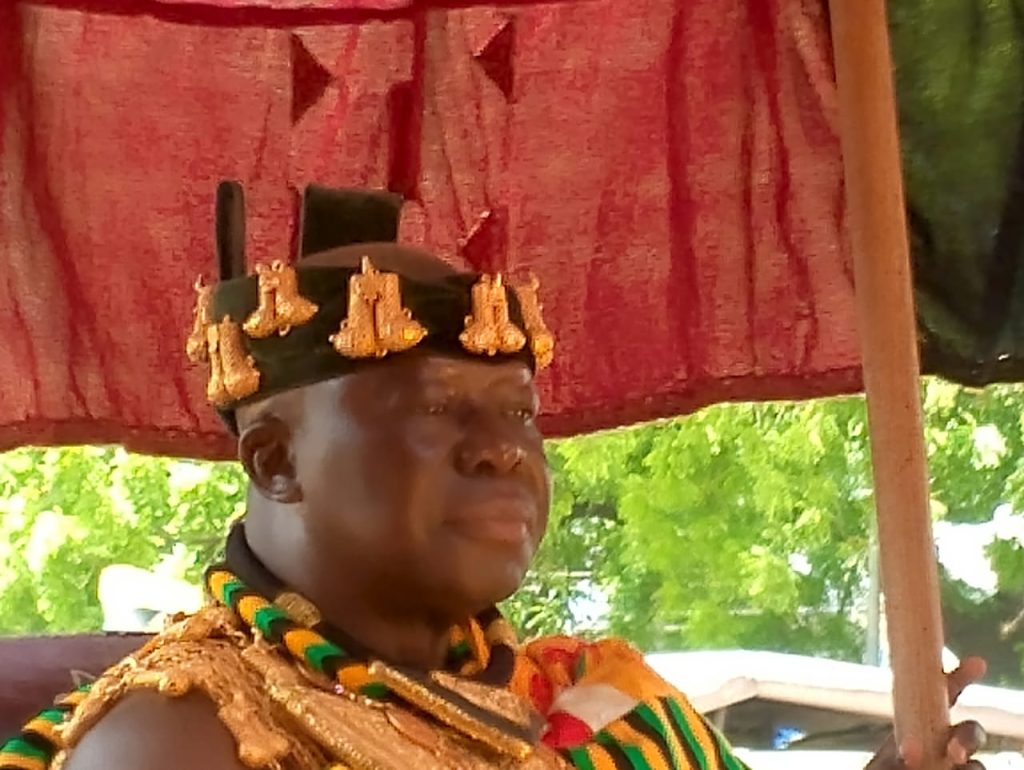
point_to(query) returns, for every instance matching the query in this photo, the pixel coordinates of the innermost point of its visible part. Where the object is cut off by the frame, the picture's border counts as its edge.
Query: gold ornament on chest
(430, 725)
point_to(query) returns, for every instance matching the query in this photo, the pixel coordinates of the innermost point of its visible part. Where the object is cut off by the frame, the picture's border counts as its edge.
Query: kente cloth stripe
(651, 736)
(580, 758)
(629, 756)
(592, 756)
(695, 726)
(622, 758)
(684, 747)
(274, 624)
(725, 756)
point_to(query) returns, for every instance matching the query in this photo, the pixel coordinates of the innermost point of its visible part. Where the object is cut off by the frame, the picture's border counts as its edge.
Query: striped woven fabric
(607, 710)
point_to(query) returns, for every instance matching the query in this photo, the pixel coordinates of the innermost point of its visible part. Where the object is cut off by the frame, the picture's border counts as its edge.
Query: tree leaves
(65, 514)
(744, 525)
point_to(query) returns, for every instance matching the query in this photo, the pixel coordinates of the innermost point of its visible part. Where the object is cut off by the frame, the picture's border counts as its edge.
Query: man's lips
(507, 519)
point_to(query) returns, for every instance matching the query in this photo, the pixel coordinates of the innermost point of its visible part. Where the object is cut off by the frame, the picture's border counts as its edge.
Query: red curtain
(669, 168)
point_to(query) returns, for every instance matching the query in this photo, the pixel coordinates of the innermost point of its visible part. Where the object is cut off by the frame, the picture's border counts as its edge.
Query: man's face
(424, 479)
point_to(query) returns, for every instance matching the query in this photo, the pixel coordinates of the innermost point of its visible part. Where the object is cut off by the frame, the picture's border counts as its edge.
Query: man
(386, 417)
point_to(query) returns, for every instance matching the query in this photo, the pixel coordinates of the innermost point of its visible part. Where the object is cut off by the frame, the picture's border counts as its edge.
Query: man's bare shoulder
(147, 731)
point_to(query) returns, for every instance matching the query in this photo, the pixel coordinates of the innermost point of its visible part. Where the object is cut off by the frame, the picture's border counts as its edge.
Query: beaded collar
(482, 649)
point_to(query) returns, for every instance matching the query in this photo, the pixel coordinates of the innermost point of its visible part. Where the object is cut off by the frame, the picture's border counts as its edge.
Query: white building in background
(135, 600)
(796, 712)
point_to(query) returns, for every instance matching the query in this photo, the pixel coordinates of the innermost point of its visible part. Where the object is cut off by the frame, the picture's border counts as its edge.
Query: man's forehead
(415, 369)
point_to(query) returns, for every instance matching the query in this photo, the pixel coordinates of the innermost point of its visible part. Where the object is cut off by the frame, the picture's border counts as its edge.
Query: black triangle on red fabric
(496, 58)
(309, 79)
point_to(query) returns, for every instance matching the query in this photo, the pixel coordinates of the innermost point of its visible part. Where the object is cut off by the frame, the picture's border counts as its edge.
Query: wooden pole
(888, 334)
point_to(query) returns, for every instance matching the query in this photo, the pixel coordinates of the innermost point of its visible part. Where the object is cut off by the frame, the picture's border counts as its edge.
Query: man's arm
(147, 731)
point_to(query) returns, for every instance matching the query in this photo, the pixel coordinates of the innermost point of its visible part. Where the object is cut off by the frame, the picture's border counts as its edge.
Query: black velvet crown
(292, 325)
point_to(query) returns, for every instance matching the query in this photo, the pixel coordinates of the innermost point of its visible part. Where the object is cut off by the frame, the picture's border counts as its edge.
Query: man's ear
(265, 450)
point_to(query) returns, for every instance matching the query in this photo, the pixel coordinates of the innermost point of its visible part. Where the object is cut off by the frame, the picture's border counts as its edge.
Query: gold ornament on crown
(377, 323)
(233, 373)
(281, 306)
(488, 328)
(195, 347)
(542, 341)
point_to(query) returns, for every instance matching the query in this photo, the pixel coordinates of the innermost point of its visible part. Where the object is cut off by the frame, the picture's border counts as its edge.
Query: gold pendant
(488, 328)
(281, 307)
(542, 341)
(360, 734)
(377, 323)
(495, 718)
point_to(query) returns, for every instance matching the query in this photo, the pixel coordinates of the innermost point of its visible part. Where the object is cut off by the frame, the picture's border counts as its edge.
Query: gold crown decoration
(195, 347)
(542, 341)
(281, 306)
(373, 318)
(233, 373)
(488, 327)
(377, 323)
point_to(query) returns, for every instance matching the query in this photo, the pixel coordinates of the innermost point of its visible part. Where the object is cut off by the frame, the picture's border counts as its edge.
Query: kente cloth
(287, 695)
(604, 708)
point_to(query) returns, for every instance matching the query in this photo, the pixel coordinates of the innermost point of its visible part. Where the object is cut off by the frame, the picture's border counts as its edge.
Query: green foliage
(745, 525)
(65, 514)
(701, 519)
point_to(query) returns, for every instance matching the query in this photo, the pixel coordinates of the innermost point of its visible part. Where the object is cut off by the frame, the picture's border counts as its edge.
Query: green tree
(744, 525)
(65, 514)
(747, 525)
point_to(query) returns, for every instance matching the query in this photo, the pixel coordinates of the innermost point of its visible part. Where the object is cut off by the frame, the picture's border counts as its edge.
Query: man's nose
(488, 449)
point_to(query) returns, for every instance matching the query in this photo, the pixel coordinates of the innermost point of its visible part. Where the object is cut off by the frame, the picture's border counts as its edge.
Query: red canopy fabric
(669, 168)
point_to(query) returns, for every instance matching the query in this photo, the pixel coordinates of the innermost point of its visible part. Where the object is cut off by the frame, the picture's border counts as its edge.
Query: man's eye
(526, 414)
(436, 408)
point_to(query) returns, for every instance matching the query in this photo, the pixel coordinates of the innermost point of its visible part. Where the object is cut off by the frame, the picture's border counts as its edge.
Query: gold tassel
(196, 346)
(233, 373)
(396, 329)
(542, 341)
(281, 307)
(488, 329)
(377, 324)
(241, 377)
(216, 393)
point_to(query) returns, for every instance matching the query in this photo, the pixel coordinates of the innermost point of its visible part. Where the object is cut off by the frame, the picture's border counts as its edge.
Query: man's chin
(471, 591)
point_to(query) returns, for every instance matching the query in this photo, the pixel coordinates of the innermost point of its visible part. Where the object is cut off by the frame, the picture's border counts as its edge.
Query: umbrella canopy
(670, 169)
